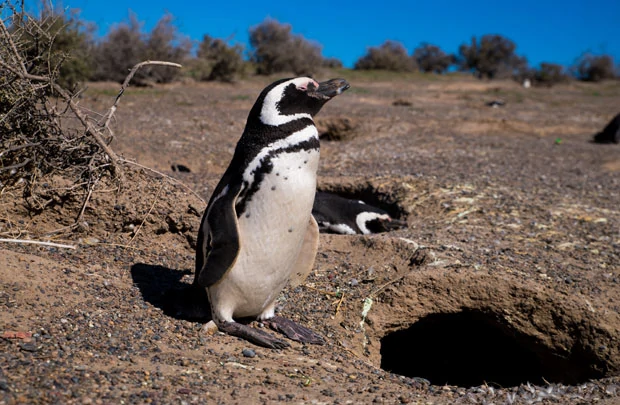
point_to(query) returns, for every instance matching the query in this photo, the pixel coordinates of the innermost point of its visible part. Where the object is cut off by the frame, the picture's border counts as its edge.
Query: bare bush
(122, 47)
(52, 161)
(333, 63)
(165, 43)
(593, 68)
(391, 55)
(549, 74)
(125, 45)
(493, 56)
(34, 143)
(56, 40)
(219, 61)
(430, 58)
(275, 49)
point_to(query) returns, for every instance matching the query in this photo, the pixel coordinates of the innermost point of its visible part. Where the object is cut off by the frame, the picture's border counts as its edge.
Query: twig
(90, 192)
(381, 287)
(14, 148)
(146, 216)
(16, 165)
(321, 291)
(7, 35)
(130, 76)
(339, 303)
(36, 242)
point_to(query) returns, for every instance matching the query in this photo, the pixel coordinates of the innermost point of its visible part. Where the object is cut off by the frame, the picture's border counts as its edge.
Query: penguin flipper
(307, 254)
(218, 240)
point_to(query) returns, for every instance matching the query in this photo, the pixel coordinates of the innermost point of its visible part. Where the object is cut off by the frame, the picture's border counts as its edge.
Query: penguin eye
(311, 85)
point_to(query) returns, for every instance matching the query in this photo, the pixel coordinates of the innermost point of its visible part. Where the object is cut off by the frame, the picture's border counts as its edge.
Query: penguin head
(291, 99)
(378, 223)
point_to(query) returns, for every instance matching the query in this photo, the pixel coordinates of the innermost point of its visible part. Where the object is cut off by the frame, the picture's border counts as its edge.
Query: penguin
(336, 214)
(611, 132)
(257, 233)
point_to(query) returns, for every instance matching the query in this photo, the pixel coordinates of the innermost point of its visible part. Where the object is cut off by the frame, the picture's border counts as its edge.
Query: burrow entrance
(388, 195)
(471, 348)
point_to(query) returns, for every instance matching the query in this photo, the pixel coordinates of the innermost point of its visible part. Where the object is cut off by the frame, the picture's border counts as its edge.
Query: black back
(611, 133)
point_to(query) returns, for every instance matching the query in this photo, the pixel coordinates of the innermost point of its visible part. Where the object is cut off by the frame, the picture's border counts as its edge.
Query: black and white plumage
(336, 214)
(611, 132)
(257, 233)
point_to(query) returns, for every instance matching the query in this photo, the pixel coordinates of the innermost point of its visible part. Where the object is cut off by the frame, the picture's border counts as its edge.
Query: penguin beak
(331, 88)
(393, 224)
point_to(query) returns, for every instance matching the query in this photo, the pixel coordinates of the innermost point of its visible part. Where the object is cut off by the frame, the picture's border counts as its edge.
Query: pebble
(29, 347)
(248, 353)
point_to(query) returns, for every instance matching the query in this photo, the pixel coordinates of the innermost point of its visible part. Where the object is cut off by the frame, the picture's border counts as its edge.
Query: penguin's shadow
(162, 287)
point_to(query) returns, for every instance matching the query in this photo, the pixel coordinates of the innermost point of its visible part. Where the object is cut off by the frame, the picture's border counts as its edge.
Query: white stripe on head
(365, 217)
(270, 115)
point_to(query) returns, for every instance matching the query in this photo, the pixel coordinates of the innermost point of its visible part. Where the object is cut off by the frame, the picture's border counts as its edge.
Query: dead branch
(37, 242)
(125, 84)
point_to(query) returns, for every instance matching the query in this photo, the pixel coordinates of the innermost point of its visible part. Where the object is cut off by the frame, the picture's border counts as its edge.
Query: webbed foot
(253, 335)
(294, 331)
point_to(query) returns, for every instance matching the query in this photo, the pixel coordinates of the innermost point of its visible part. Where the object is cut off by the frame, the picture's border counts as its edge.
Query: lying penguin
(257, 233)
(336, 214)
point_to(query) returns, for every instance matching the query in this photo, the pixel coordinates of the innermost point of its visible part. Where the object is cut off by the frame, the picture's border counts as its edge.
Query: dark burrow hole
(473, 348)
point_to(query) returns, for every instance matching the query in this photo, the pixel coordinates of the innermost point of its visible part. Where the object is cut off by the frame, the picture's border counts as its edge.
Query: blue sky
(544, 31)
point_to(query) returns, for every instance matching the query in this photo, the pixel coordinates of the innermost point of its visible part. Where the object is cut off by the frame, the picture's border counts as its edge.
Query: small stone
(404, 399)
(248, 353)
(209, 328)
(354, 282)
(29, 347)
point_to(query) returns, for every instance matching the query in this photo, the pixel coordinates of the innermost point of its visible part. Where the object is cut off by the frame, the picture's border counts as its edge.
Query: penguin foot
(294, 331)
(253, 335)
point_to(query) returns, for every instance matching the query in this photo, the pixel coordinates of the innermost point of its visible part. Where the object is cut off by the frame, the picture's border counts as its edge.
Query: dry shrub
(165, 43)
(275, 49)
(55, 40)
(550, 74)
(51, 150)
(430, 58)
(332, 63)
(391, 55)
(119, 50)
(33, 143)
(593, 68)
(492, 57)
(218, 61)
(125, 45)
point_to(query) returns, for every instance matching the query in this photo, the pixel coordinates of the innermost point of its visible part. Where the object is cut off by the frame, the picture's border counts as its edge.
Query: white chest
(271, 232)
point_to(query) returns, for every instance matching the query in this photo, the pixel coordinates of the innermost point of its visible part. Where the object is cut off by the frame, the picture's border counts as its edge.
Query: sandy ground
(504, 287)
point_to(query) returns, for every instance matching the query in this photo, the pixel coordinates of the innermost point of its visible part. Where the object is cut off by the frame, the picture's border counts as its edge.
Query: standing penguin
(257, 233)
